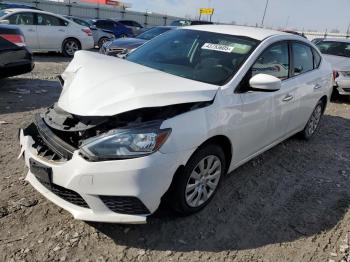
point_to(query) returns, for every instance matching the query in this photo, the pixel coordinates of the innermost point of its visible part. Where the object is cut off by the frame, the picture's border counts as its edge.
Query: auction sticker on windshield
(218, 47)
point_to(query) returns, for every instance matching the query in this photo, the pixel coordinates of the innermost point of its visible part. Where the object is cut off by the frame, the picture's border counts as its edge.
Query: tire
(102, 41)
(313, 124)
(197, 183)
(70, 46)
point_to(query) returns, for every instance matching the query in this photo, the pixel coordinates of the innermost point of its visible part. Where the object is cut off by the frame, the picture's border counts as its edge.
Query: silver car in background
(337, 52)
(100, 36)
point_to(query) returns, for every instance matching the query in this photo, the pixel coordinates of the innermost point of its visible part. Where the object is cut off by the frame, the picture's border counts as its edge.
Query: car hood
(338, 63)
(128, 43)
(100, 85)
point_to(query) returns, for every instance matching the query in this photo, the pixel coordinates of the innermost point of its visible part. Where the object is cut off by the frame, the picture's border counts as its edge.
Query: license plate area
(41, 172)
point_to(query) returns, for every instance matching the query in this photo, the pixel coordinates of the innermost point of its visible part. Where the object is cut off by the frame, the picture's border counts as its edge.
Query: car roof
(334, 39)
(251, 32)
(18, 10)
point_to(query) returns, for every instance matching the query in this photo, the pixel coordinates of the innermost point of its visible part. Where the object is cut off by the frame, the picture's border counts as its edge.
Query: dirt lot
(289, 204)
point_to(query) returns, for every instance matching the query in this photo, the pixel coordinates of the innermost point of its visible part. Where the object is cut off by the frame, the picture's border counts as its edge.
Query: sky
(289, 14)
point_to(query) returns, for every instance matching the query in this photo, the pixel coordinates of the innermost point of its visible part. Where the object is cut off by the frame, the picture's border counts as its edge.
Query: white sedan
(172, 118)
(45, 32)
(336, 51)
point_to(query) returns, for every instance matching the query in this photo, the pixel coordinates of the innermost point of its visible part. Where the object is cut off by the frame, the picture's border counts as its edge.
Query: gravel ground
(289, 204)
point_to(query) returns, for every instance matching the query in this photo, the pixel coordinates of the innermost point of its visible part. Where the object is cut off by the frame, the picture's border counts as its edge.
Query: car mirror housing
(264, 82)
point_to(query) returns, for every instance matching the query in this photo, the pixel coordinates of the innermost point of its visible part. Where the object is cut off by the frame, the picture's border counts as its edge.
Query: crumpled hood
(338, 63)
(100, 85)
(128, 43)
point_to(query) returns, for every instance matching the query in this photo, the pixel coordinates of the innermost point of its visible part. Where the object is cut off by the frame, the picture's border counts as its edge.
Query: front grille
(68, 195)
(39, 144)
(116, 51)
(125, 205)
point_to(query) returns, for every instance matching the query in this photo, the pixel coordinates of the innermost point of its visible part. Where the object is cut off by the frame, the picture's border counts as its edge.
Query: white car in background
(45, 32)
(174, 116)
(337, 52)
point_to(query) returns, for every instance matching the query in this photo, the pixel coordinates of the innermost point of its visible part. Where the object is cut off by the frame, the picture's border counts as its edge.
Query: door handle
(317, 86)
(61, 30)
(287, 98)
(31, 30)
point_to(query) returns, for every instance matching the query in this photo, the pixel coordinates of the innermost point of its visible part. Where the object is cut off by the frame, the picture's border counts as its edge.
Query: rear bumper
(343, 85)
(15, 62)
(16, 69)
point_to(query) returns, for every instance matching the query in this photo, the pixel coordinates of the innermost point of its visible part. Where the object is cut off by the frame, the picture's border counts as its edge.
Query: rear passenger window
(303, 58)
(49, 20)
(273, 61)
(317, 59)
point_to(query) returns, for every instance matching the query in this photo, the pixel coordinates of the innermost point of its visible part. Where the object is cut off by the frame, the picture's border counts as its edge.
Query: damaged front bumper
(121, 191)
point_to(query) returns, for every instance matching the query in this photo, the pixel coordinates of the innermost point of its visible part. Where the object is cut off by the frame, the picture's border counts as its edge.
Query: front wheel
(70, 46)
(196, 186)
(313, 123)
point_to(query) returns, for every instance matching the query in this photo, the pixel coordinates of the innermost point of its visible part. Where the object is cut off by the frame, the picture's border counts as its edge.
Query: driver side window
(273, 61)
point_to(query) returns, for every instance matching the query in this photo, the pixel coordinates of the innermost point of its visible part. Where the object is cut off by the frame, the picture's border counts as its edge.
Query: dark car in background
(125, 45)
(15, 58)
(185, 22)
(100, 35)
(134, 26)
(6, 5)
(118, 29)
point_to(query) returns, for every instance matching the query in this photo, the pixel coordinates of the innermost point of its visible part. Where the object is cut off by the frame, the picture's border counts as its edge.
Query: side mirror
(4, 22)
(265, 82)
(93, 27)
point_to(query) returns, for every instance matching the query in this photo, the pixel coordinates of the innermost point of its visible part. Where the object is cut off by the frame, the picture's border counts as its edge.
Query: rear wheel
(70, 46)
(102, 41)
(312, 125)
(196, 186)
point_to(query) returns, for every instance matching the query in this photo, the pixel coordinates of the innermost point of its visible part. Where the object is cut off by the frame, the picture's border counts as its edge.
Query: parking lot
(291, 203)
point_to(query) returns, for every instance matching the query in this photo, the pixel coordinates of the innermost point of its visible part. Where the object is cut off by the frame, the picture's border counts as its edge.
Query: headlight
(126, 142)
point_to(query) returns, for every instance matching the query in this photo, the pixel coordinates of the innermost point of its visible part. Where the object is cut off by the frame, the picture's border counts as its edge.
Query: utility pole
(262, 21)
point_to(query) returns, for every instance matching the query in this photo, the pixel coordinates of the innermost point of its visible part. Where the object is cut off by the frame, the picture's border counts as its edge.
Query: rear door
(311, 83)
(26, 22)
(52, 31)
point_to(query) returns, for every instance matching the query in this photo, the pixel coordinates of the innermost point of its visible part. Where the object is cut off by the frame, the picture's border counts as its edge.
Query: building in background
(115, 3)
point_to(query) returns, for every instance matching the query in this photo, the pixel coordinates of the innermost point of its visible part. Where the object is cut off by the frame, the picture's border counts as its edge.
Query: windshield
(153, 32)
(334, 48)
(198, 55)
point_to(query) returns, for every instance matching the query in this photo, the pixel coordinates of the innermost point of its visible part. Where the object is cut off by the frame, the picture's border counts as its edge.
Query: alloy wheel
(203, 181)
(314, 120)
(71, 47)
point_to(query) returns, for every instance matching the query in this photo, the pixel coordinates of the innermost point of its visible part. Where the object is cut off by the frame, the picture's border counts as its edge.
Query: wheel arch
(324, 100)
(73, 38)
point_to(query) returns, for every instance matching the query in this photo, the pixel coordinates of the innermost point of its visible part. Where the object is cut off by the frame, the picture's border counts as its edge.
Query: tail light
(335, 74)
(87, 31)
(14, 39)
